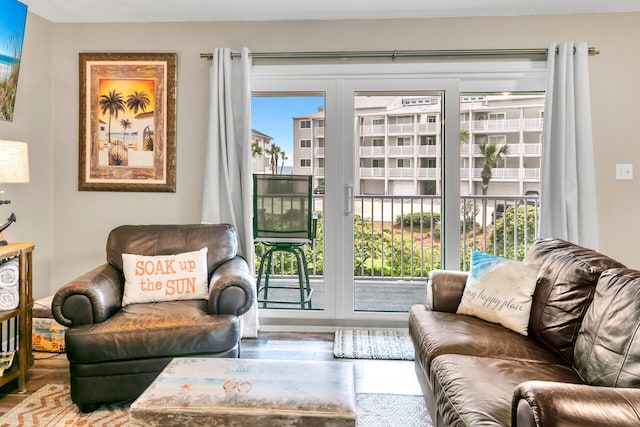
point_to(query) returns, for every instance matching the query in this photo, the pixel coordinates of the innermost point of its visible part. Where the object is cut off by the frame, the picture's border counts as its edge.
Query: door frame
(335, 80)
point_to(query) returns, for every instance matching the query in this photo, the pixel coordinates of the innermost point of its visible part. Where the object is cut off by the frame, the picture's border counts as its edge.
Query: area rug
(373, 344)
(51, 406)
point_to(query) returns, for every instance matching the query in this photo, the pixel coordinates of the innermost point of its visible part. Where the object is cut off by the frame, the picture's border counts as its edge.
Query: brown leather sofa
(115, 352)
(578, 366)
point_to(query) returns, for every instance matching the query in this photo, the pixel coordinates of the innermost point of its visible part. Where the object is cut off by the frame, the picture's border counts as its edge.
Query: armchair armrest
(543, 403)
(444, 289)
(91, 298)
(231, 288)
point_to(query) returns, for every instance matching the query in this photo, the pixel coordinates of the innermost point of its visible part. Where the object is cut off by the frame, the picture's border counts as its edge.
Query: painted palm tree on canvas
(12, 24)
(125, 101)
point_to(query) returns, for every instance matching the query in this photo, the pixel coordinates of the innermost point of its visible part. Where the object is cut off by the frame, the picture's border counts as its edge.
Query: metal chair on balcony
(284, 222)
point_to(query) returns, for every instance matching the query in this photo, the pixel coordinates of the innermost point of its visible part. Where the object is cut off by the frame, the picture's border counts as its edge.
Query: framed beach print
(127, 122)
(13, 17)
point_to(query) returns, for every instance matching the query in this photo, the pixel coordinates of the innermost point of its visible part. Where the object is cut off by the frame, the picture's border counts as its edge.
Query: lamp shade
(14, 162)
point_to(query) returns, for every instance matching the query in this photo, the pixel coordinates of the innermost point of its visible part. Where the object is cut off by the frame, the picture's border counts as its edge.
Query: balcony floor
(370, 295)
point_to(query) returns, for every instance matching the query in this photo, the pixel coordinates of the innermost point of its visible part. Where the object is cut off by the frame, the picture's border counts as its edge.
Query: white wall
(33, 123)
(70, 227)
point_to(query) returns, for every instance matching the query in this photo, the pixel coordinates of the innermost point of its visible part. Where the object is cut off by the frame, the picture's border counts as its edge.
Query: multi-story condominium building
(399, 144)
(260, 161)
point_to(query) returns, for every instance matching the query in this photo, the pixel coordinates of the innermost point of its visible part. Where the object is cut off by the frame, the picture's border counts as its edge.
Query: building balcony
(368, 130)
(502, 174)
(371, 172)
(507, 125)
(401, 150)
(428, 173)
(402, 129)
(429, 128)
(429, 150)
(534, 149)
(402, 172)
(372, 151)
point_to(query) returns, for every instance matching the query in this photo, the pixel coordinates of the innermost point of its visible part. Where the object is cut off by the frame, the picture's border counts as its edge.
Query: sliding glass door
(383, 144)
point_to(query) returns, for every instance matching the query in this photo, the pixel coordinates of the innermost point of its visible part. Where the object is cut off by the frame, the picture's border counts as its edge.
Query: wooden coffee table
(235, 392)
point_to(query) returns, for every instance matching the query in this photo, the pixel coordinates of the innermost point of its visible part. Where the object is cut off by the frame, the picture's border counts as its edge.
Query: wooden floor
(372, 376)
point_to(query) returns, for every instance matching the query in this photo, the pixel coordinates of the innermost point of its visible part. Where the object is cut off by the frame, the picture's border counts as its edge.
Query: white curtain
(568, 193)
(227, 173)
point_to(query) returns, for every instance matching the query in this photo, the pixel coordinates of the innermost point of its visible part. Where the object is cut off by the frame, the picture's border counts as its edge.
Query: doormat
(51, 406)
(373, 344)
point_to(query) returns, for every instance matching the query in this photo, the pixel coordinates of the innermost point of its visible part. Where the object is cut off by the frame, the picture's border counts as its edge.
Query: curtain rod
(393, 54)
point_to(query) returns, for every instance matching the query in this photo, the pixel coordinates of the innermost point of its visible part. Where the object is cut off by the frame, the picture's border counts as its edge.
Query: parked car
(532, 197)
(319, 189)
(498, 211)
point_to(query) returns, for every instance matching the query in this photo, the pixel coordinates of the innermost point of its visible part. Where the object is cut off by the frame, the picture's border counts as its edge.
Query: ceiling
(60, 11)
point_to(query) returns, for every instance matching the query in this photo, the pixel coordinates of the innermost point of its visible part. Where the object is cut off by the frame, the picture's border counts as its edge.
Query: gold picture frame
(127, 122)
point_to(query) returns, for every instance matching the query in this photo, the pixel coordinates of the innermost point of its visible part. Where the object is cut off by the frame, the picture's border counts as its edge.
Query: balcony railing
(402, 172)
(398, 237)
(372, 150)
(401, 150)
(431, 128)
(514, 149)
(506, 125)
(371, 172)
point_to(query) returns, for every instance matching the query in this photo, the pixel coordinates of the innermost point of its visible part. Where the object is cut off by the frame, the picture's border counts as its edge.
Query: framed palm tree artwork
(127, 122)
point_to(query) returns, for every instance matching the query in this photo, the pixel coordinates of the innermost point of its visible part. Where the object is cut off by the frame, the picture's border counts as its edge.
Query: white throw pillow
(165, 277)
(499, 290)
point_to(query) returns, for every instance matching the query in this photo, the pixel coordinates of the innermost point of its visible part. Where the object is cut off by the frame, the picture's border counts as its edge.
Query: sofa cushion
(434, 333)
(565, 287)
(499, 290)
(478, 391)
(165, 277)
(153, 330)
(607, 351)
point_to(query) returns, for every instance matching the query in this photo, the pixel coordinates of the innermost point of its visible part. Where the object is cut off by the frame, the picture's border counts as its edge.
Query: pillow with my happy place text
(499, 290)
(165, 277)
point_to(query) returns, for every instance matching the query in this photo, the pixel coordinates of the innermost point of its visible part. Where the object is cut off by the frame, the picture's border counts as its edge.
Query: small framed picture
(127, 122)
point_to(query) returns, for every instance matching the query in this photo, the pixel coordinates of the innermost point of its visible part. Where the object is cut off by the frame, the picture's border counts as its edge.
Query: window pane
(288, 138)
(501, 147)
(397, 198)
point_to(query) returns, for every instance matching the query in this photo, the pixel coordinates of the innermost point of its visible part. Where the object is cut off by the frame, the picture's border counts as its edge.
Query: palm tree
(126, 124)
(147, 138)
(274, 152)
(464, 136)
(256, 149)
(138, 101)
(492, 155)
(112, 104)
(284, 157)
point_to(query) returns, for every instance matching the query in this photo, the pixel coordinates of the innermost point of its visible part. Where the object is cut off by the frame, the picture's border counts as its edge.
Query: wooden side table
(15, 325)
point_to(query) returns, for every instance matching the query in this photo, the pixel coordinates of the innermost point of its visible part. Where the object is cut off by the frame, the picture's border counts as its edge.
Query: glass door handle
(348, 196)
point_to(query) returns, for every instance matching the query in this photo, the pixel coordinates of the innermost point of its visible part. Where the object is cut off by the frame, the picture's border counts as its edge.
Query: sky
(12, 19)
(272, 115)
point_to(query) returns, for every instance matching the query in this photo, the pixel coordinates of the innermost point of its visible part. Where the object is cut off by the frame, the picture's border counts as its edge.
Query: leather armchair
(115, 352)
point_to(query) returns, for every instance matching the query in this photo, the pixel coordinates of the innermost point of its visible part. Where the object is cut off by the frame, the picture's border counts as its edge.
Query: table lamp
(14, 169)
